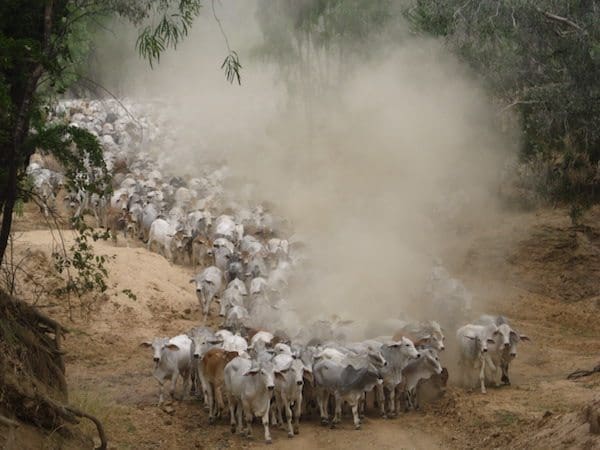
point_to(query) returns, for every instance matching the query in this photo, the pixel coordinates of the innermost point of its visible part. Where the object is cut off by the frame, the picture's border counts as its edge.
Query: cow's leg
(288, 416)
(232, 415)
(240, 417)
(337, 415)
(174, 383)
(276, 411)
(204, 387)
(380, 396)
(393, 401)
(186, 385)
(322, 400)
(297, 413)
(161, 386)
(193, 379)
(482, 375)
(415, 398)
(505, 379)
(265, 422)
(211, 403)
(355, 415)
(220, 400)
(248, 416)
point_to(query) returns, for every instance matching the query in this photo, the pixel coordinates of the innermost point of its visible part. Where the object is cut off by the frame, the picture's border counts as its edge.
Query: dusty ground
(545, 279)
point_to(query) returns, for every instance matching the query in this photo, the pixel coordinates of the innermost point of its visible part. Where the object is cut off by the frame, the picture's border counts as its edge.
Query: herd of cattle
(255, 372)
(264, 360)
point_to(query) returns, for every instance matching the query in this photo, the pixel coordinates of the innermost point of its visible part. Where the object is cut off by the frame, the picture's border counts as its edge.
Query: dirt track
(110, 376)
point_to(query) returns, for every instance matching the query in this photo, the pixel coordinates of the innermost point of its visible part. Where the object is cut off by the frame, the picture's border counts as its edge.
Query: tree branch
(561, 19)
(8, 422)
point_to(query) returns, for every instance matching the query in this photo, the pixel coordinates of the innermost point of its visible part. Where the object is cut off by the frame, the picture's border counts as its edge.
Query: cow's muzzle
(299, 383)
(156, 360)
(196, 355)
(270, 388)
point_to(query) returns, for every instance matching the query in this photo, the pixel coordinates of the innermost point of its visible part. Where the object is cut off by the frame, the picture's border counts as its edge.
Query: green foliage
(541, 59)
(174, 23)
(232, 67)
(85, 271)
(129, 294)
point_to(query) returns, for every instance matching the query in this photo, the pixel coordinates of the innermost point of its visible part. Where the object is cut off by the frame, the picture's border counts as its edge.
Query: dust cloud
(401, 160)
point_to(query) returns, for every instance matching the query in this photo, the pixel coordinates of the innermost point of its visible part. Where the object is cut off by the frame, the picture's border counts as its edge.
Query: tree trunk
(14, 153)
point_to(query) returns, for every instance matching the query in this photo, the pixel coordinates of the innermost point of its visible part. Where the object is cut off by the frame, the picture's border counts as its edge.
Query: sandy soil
(546, 281)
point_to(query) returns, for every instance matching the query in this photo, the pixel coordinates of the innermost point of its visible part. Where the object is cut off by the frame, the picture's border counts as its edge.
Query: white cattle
(172, 359)
(222, 251)
(231, 297)
(239, 285)
(473, 341)
(258, 286)
(208, 284)
(427, 332)
(278, 248)
(249, 385)
(149, 215)
(251, 245)
(161, 234)
(265, 336)
(503, 351)
(288, 389)
(237, 317)
(346, 382)
(398, 355)
(225, 228)
(421, 369)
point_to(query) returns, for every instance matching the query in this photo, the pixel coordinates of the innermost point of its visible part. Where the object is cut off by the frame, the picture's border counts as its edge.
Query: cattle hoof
(324, 422)
(268, 441)
(332, 425)
(232, 429)
(357, 427)
(384, 416)
(296, 431)
(211, 420)
(290, 435)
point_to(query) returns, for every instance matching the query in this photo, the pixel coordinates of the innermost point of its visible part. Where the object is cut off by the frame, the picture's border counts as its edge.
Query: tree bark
(14, 151)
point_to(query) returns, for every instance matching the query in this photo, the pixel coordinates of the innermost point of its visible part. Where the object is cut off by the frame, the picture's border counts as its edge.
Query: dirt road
(110, 376)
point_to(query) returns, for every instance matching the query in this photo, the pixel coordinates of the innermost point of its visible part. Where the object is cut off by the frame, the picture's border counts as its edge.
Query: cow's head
(265, 370)
(482, 342)
(515, 338)
(406, 347)
(158, 345)
(432, 360)
(301, 372)
(502, 336)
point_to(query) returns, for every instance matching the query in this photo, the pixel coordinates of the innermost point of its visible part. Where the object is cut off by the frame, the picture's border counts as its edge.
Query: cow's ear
(490, 341)
(524, 337)
(251, 372)
(146, 344)
(280, 374)
(193, 280)
(394, 344)
(172, 346)
(471, 337)
(231, 355)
